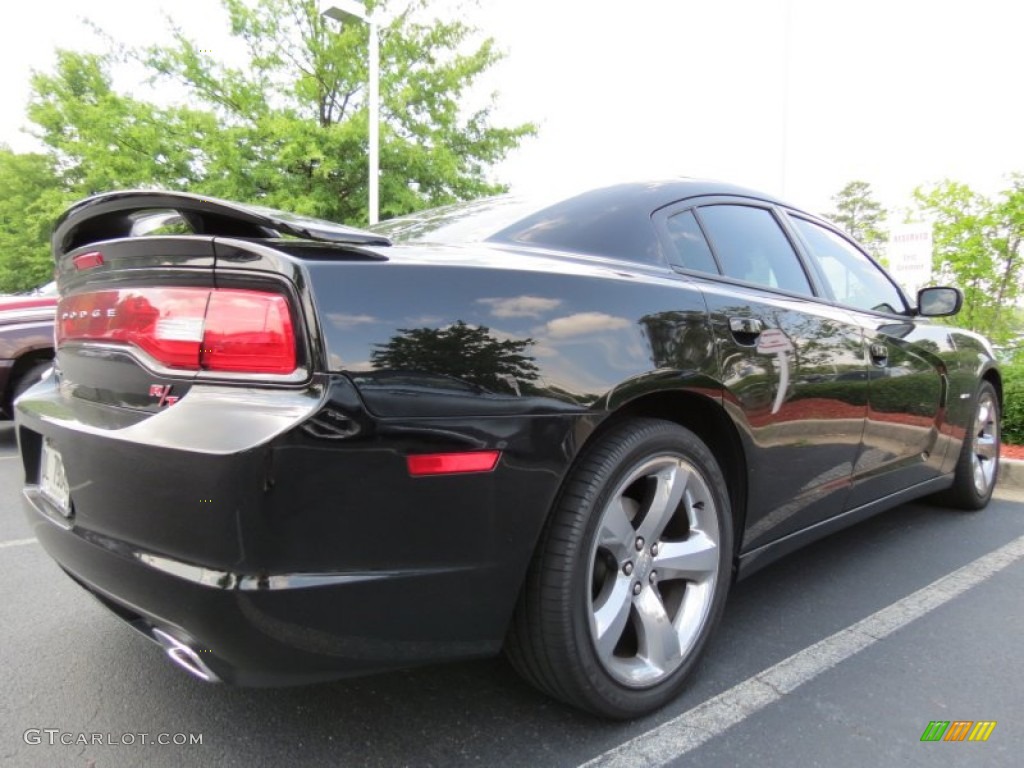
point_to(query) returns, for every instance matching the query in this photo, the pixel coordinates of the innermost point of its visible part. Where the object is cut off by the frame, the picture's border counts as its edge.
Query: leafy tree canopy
(978, 247)
(861, 215)
(289, 128)
(32, 198)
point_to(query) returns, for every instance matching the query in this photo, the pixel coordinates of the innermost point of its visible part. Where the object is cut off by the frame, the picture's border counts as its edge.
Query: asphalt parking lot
(839, 655)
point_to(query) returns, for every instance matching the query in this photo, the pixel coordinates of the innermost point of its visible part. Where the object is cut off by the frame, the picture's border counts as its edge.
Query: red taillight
(452, 463)
(224, 329)
(248, 331)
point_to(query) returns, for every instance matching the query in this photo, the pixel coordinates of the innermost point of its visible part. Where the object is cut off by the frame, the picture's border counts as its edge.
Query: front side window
(853, 278)
(751, 246)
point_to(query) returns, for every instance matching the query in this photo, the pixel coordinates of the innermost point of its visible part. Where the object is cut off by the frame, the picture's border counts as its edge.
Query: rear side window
(853, 278)
(690, 249)
(751, 246)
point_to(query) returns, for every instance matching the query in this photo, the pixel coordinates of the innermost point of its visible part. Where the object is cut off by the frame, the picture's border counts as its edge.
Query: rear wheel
(977, 469)
(631, 574)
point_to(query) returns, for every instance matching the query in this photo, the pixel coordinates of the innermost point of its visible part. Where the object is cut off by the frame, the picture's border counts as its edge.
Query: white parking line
(687, 731)
(16, 543)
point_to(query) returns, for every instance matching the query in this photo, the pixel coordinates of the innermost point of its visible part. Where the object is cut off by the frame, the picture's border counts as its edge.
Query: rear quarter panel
(489, 331)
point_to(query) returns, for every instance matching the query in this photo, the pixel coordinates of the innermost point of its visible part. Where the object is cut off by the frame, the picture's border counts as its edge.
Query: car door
(903, 441)
(793, 366)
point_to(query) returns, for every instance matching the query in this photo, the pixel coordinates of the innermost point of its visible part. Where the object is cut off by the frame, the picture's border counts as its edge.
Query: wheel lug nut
(627, 568)
(654, 576)
(654, 550)
(639, 543)
(637, 588)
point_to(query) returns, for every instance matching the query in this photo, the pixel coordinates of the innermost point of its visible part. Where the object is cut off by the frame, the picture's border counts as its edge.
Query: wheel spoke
(984, 416)
(617, 533)
(610, 616)
(980, 481)
(694, 559)
(658, 639)
(671, 485)
(985, 447)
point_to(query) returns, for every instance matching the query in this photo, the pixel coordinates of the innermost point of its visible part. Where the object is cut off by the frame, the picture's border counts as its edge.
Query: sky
(791, 97)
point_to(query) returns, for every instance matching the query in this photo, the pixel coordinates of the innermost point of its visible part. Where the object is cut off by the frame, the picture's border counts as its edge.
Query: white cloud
(425, 320)
(341, 320)
(583, 323)
(520, 306)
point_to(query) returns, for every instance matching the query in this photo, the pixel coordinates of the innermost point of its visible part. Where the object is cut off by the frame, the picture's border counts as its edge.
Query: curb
(1011, 473)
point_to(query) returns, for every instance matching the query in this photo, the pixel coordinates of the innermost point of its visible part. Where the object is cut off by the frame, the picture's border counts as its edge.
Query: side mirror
(939, 302)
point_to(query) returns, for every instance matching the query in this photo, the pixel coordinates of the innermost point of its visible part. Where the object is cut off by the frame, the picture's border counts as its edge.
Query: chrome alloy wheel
(654, 566)
(985, 451)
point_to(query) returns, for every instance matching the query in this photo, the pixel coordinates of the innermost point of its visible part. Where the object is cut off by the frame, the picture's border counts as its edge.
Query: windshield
(48, 289)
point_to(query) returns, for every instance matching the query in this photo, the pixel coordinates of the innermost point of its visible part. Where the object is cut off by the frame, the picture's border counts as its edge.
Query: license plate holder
(53, 482)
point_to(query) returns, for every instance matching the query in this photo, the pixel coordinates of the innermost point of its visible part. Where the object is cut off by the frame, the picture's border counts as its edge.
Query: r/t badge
(163, 391)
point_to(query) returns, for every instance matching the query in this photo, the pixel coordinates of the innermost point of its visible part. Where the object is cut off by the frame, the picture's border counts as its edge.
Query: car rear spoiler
(116, 214)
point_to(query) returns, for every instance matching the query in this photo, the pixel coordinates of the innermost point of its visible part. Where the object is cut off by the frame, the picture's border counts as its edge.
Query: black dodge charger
(289, 450)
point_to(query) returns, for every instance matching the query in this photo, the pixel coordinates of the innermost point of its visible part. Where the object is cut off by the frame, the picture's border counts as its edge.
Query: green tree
(977, 246)
(290, 128)
(859, 214)
(32, 198)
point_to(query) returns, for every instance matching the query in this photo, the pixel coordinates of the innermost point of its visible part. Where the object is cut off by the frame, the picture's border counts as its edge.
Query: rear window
(154, 223)
(596, 223)
(690, 249)
(459, 223)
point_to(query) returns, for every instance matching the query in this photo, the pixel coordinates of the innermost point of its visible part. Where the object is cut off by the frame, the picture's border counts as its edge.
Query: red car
(26, 342)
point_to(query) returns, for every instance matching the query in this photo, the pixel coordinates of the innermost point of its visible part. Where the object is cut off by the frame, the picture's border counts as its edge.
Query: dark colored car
(26, 342)
(290, 451)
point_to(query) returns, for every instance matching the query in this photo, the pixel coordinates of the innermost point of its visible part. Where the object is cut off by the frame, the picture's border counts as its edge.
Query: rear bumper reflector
(452, 463)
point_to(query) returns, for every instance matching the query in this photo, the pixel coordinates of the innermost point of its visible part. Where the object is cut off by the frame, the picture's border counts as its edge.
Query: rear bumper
(282, 553)
(259, 631)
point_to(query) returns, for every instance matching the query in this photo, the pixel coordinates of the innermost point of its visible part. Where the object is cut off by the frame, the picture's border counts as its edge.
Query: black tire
(576, 578)
(977, 469)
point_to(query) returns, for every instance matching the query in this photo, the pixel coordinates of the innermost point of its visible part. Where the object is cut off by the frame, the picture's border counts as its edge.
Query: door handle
(746, 326)
(879, 353)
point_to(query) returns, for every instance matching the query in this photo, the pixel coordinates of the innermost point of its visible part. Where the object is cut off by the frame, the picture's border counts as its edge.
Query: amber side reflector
(88, 260)
(452, 463)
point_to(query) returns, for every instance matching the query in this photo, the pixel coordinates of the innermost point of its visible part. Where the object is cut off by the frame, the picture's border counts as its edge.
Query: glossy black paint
(266, 543)
(275, 522)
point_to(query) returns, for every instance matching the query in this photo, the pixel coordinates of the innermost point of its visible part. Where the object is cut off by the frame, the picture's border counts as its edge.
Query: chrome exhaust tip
(184, 656)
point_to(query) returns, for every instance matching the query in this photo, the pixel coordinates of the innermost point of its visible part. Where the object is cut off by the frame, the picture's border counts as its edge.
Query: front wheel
(630, 577)
(977, 469)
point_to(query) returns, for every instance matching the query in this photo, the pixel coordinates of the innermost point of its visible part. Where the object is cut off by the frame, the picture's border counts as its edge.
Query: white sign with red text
(910, 256)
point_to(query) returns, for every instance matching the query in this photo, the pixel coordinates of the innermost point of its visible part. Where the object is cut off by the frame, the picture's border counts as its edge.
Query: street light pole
(349, 10)
(374, 118)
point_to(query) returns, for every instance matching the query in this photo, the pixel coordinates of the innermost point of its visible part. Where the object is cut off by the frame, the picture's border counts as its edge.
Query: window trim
(660, 218)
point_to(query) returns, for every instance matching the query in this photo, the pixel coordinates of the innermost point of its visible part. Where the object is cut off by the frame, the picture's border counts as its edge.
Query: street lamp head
(344, 10)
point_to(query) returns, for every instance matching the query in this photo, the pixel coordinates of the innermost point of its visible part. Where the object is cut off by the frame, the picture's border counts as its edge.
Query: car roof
(611, 221)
